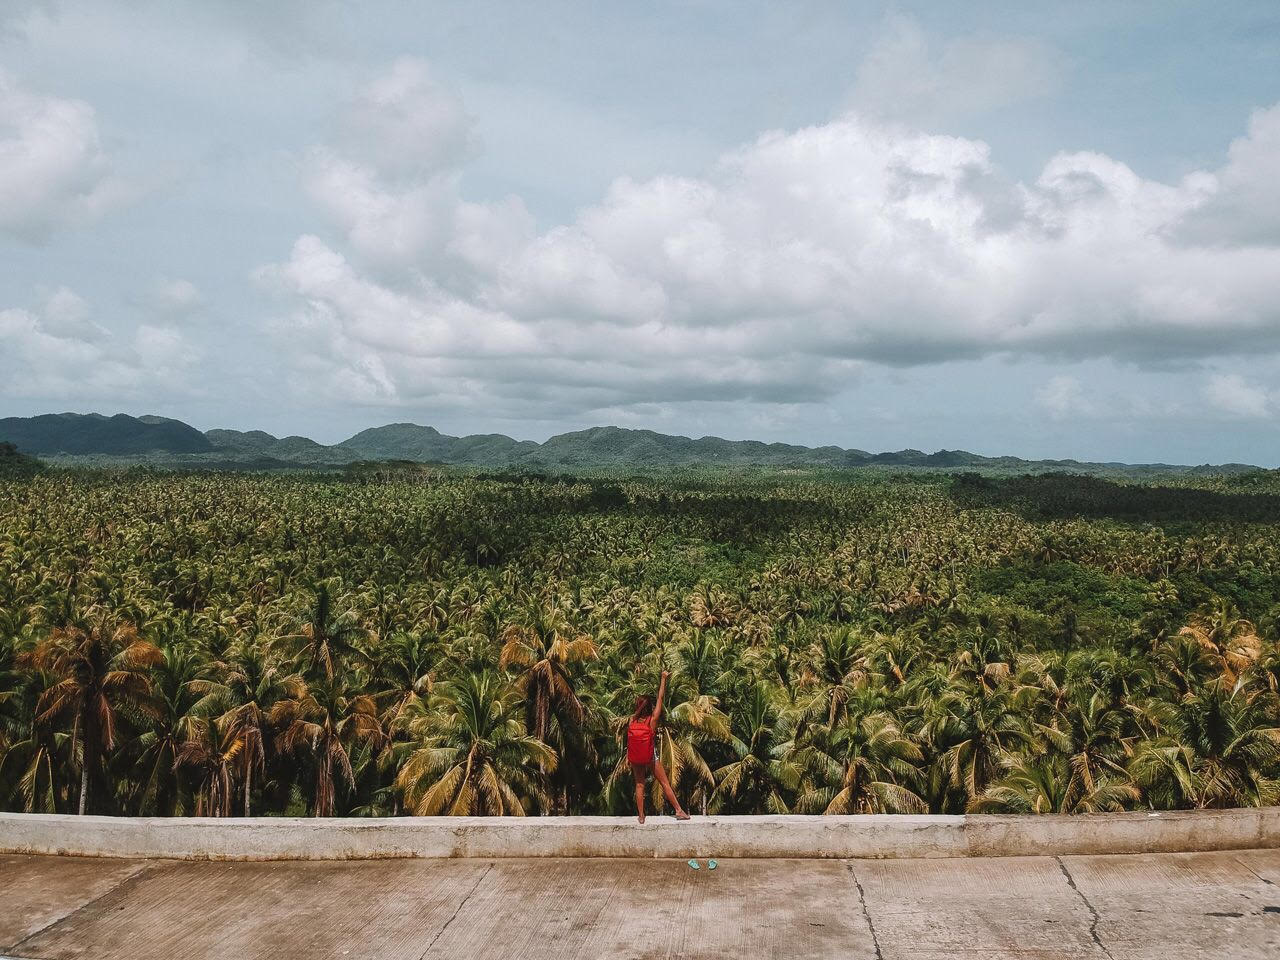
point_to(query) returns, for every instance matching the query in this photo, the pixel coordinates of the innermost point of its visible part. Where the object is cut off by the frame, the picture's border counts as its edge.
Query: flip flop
(711, 864)
(694, 865)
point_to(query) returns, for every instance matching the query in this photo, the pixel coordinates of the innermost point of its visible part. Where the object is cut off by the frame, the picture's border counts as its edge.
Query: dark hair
(644, 706)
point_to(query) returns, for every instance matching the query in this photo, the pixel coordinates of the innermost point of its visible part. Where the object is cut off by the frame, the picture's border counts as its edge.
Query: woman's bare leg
(639, 774)
(660, 772)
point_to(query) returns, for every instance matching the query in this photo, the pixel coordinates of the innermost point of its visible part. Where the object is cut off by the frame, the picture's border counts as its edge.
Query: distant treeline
(13, 463)
(1060, 495)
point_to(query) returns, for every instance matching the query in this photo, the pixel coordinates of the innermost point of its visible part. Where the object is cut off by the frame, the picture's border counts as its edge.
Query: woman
(642, 736)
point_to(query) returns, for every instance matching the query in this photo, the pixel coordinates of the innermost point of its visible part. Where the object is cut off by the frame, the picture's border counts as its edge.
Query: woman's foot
(681, 815)
(640, 818)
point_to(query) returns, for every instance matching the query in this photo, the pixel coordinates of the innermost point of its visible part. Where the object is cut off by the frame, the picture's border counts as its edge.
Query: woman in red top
(642, 736)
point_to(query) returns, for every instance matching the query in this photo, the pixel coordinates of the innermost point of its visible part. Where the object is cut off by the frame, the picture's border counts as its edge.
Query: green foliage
(404, 638)
(14, 465)
(1055, 586)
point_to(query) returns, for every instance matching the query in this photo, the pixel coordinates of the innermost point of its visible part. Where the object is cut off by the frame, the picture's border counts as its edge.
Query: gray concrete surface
(282, 838)
(1224, 905)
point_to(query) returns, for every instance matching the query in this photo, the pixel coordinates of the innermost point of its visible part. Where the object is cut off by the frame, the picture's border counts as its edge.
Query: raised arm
(657, 707)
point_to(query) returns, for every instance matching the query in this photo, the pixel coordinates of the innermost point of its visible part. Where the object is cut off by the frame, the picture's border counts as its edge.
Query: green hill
(259, 445)
(80, 434)
(409, 441)
(618, 446)
(93, 438)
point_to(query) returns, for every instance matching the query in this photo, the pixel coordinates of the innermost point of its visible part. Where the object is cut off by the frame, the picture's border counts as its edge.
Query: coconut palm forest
(381, 641)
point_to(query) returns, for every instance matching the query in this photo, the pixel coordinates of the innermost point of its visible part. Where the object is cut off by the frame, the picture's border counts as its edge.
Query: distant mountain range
(91, 437)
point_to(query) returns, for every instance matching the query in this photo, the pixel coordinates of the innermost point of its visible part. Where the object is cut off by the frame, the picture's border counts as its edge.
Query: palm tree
(1164, 771)
(100, 669)
(698, 661)
(895, 654)
(473, 757)
(325, 639)
(175, 702)
(1093, 732)
(1237, 750)
(543, 650)
(837, 669)
(323, 723)
(252, 684)
(862, 766)
(35, 755)
(1049, 785)
(1186, 664)
(34, 766)
(759, 773)
(1232, 640)
(978, 727)
(401, 670)
(1219, 751)
(212, 758)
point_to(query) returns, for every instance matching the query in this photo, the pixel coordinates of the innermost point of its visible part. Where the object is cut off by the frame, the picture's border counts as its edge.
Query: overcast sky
(1044, 229)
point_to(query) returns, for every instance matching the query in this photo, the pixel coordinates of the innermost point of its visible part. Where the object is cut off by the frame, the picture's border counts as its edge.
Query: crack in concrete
(1093, 926)
(1269, 883)
(457, 910)
(866, 912)
(146, 868)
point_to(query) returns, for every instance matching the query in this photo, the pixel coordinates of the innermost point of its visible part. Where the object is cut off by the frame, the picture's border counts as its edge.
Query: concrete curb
(878, 837)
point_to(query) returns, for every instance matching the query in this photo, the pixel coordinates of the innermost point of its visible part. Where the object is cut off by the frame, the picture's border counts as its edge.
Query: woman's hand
(665, 674)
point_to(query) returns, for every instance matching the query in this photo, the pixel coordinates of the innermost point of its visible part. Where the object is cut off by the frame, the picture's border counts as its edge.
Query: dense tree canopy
(435, 642)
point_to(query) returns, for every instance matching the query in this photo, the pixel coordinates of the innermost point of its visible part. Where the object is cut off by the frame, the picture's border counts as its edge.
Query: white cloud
(904, 78)
(802, 257)
(1245, 206)
(1231, 394)
(390, 176)
(57, 352)
(387, 225)
(174, 298)
(66, 314)
(1064, 397)
(53, 169)
(406, 125)
(377, 344)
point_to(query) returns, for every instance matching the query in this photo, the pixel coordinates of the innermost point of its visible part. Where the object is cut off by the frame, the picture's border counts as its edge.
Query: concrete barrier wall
(281, 838)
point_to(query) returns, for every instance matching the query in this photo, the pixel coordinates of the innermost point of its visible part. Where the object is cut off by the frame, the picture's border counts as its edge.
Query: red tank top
(639, 742)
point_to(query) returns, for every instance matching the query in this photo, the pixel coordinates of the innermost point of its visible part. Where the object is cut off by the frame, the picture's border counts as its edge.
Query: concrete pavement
(1125, 907)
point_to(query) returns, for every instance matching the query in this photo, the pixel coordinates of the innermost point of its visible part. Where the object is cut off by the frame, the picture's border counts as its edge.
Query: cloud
(389, 177)
(1229, 393)
(1244, 209)
(390, 226)
(66, 314)
(173, 298)
(381, 345)
(53, 169)
(1064, 397)
(801, 258)
(57, 352)
(903, 78)
(406, 125)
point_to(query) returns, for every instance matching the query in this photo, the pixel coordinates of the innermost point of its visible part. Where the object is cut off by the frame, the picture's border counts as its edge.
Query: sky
(1040, 229)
